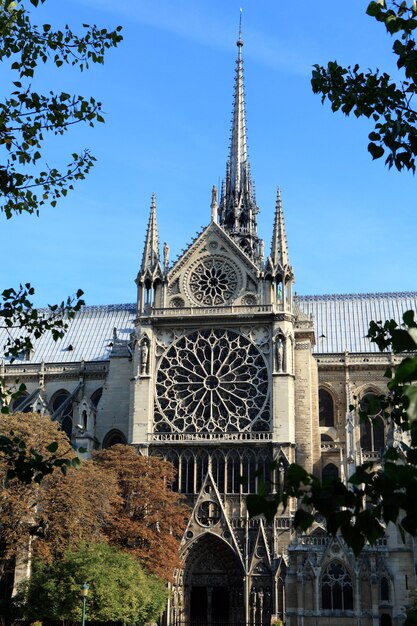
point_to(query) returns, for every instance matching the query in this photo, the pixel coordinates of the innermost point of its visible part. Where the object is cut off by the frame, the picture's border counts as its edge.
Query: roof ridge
(357, 296)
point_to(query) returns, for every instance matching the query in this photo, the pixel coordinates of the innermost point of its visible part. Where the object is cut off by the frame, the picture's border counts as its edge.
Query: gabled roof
(341, 323)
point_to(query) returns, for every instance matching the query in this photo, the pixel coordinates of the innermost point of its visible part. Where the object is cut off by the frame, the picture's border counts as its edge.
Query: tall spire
(150, 259)
(279, 246)
(237, 209)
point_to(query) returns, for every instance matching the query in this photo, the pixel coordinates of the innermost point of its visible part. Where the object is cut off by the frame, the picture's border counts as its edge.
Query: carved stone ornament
(211, 381)
(213, 281)
(144, 356)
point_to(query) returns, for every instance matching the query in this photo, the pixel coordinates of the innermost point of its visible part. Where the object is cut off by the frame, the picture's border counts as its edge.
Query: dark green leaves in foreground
(29, 118)
(376, 494)
(387, 102)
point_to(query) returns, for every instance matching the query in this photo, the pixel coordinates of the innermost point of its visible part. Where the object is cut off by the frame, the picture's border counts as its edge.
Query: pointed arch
(62, 408)
(326, 408)
(330, 472)
(218, 469)
(372, 429)
(113, 437)
(336, 588)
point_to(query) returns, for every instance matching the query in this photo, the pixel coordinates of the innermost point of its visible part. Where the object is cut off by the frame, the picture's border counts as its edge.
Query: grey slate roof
(90, 334)
(341, 323)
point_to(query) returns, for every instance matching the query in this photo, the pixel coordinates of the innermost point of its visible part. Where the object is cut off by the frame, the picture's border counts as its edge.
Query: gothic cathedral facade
(220, 369)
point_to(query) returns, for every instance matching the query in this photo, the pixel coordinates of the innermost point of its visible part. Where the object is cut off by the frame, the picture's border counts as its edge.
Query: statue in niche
(280, 352)
(144, 356)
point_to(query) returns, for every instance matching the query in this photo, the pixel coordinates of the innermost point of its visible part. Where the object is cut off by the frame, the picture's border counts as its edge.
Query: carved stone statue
(144, 356)
(166, 255)
(280, 352)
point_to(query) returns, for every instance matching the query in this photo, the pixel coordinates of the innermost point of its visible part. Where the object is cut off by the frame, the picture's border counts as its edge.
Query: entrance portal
(213, 584)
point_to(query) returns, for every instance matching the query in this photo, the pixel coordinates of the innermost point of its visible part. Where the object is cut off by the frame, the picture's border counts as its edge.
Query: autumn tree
(151, 518)
(62, 510)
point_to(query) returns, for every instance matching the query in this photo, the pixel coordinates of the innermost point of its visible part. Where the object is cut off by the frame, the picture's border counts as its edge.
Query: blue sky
(167, 93)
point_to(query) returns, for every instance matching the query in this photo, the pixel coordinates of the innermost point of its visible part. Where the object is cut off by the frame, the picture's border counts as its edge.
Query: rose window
(213, 281)
(212, 381)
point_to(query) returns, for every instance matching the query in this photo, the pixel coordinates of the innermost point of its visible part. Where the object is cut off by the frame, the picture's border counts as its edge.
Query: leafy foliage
(30, 434)
(27, 118)
(151, 518)
(375, 494)
(374, 94)
(119, 589)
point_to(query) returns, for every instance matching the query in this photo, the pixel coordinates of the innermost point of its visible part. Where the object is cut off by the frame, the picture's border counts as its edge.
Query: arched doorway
(213, 584)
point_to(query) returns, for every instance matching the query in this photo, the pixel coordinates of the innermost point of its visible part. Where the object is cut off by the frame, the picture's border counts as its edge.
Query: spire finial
(240, 40)
(150, 258)
(279, 247)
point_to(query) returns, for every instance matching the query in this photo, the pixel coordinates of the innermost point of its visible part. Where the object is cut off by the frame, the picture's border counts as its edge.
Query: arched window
(112, 438)
(386, 620)
(325, 438)
(217, 469)
(201, 469)
(20, 402)
(372, 428)
(384, 589)
(62, 409)
(248, 472)
(330, 472)
(336, 588)
(187, 473)
(326, 408)
(233, 472)
(96, 397)
(172, 457)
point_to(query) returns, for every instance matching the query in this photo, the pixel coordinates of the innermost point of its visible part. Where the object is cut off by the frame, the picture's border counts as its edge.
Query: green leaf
(53, 447)
(376, 151)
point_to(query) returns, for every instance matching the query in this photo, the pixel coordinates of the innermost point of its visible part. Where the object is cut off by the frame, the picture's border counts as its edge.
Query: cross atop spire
(237, 208)
(150, 259)
(279, 246)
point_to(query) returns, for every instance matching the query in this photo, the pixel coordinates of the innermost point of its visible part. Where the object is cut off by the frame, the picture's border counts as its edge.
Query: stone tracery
(213, 281)
(210, 381)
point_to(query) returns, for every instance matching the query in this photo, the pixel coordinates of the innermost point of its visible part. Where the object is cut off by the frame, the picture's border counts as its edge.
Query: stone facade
(221, 370)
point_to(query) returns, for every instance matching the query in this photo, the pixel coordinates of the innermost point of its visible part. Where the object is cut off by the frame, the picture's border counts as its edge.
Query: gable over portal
(214, 271)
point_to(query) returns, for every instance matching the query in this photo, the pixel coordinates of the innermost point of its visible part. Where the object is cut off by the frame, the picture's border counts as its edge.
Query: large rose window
(212, 381)
(213, 281)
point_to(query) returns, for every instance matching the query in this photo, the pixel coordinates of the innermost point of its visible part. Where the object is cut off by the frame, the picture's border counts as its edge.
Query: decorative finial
(240, 40)
(214, 205)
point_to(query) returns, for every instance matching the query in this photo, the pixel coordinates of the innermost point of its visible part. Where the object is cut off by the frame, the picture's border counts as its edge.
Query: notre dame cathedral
(221, 369)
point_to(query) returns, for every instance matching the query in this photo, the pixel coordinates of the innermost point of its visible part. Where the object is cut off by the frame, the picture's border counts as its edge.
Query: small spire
(279, 246)
(150, 259)
(214, 205)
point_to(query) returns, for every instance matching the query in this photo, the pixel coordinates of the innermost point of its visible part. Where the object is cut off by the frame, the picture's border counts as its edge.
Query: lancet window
(326, 408)
(227, 467)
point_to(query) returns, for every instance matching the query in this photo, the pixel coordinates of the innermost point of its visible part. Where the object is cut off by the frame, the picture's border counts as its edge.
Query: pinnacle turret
(151, 258)
(279, 246)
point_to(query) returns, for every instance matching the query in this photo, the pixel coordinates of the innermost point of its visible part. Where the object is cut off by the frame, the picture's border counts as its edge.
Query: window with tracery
(336, 588)
(326, 408)
(373, 428)
(212, 381)
(213, 281)
(62, 405)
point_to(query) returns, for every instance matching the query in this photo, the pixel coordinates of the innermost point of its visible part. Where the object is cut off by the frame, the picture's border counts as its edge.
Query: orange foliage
(151, 518)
